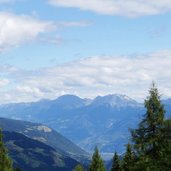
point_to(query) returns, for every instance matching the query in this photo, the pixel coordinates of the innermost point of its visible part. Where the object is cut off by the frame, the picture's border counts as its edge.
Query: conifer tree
(79, 168)
(129, 159)
(166, 153)
(5, 162)
(97, 162)
(149, 139)
(116, 164)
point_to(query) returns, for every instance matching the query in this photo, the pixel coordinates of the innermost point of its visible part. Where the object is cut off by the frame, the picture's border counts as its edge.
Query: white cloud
(130, 8)
(15, 30)
(92, 76)
(19, 29)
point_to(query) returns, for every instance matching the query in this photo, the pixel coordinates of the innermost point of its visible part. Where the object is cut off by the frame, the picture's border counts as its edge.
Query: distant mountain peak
(115, 100)
(68, 96)
(69, 101)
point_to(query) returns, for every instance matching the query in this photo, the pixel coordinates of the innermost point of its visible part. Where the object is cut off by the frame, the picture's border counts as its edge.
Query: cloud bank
(129, 8)
(16, 30)
(89, 77)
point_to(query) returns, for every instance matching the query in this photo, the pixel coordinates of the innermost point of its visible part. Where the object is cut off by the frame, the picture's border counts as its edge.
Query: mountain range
(47, 136)
(32, 155)
(103, 121)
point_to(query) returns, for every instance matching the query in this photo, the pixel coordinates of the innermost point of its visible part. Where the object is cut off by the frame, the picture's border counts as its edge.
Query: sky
(49, 48)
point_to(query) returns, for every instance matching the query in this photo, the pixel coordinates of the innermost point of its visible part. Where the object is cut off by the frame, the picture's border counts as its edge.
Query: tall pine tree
(149, 139)
(116, 164)
(5, 162)
(97, 162)
(129, 159)
(166, 153)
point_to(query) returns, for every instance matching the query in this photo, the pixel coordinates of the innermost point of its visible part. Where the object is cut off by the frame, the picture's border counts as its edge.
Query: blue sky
(52, 40)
